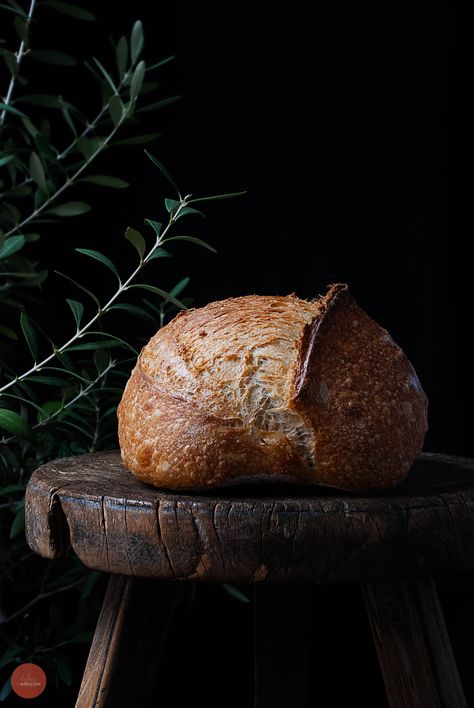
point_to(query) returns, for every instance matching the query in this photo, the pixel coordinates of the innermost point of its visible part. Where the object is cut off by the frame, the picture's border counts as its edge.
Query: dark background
(345, 127)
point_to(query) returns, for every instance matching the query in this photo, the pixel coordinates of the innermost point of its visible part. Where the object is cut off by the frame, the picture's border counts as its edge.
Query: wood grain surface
(413, 646)
(128, 643)
(114, 523)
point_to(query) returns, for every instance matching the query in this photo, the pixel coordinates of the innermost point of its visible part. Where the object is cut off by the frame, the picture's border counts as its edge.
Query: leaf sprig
(35, 173)
(177, 209)
(65, 402)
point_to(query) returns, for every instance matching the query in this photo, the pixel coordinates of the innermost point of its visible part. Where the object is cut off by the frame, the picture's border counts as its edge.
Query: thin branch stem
(43, 649)
(68, 182)
(93, 124)
(123, 286)
(19, 57)
(83, 392)
(41, 596)
(87, 130)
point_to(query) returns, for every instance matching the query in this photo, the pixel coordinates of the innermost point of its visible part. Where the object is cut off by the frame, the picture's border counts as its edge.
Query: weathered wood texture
(252, 534)
(280, 643)
(412, 644)
(439, 644)
(128, 643)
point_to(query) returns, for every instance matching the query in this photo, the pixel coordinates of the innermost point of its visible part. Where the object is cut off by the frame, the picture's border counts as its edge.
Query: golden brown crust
(312, 392)
(362, 396)
(170, 442)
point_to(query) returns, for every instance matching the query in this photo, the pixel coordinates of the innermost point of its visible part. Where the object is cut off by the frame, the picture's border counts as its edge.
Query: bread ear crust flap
(360, 394)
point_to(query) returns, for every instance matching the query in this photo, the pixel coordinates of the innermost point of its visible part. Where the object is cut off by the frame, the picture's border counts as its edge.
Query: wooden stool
(392, 544)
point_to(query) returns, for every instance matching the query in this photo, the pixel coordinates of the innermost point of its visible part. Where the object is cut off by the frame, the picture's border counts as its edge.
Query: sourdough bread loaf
(273, 388)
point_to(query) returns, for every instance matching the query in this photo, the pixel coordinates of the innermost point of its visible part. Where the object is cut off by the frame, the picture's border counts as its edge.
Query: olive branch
(19, 56)
(14, 422)
(65, 401)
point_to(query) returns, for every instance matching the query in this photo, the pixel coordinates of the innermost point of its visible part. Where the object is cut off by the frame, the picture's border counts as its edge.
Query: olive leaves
(65, 399)
(37, 174)
(86, 337)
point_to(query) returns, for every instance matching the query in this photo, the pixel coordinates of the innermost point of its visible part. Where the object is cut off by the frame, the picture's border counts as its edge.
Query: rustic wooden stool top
(117, 524)
(266, 536)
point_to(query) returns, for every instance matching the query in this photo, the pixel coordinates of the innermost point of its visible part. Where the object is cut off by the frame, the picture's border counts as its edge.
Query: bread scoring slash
(270, 388)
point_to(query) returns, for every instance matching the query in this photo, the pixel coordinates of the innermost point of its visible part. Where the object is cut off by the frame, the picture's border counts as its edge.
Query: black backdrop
(344, 127)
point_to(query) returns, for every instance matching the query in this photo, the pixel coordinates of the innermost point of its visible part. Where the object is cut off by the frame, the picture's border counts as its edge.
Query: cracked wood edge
(115, 523)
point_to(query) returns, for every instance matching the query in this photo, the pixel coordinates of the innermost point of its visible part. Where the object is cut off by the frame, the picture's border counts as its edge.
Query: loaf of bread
(261, 388)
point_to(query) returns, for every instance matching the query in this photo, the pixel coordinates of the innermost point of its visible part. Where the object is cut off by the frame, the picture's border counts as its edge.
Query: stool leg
(128, 643)
(280, 646)
(413, 645)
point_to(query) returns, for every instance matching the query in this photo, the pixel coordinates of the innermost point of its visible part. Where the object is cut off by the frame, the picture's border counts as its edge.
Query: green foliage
(77, 414)
(64, 401)
(35, 172)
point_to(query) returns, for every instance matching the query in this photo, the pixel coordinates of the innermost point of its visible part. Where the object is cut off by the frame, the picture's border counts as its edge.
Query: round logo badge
(28, 680)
